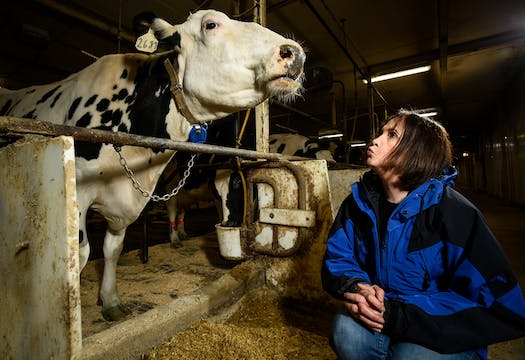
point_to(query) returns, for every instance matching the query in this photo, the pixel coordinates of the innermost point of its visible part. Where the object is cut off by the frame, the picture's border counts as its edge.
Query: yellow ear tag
(147, 42)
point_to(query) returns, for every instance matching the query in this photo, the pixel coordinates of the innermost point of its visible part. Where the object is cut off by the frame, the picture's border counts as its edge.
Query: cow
(298, 145)
(216, 66)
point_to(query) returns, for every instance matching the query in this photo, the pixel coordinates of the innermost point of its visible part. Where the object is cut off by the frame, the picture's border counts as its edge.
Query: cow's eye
(211, 25)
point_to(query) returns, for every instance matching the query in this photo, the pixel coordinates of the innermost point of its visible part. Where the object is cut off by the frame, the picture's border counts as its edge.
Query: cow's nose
(294, 60)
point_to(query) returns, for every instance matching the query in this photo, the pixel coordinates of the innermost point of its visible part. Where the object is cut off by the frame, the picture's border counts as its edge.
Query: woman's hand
(367, 305)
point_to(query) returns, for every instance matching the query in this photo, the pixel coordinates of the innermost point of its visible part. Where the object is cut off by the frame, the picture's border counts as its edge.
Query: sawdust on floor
(265, 326)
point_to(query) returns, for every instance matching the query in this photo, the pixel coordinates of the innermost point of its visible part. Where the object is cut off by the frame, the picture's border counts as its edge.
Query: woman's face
(385, 143)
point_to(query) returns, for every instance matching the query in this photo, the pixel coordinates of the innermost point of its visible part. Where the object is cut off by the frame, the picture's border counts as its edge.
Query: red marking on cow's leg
(173, 226)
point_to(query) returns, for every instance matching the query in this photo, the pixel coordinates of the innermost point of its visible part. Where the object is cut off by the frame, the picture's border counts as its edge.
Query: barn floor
(261, 325)
(168, 274)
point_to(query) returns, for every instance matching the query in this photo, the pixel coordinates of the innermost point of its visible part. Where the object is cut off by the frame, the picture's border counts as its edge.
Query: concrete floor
(507, 222)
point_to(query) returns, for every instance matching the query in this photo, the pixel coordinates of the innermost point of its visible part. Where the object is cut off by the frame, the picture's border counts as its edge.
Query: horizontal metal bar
(14, 125)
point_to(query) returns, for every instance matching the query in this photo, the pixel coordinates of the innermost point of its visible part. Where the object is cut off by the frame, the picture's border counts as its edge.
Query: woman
(420, 273)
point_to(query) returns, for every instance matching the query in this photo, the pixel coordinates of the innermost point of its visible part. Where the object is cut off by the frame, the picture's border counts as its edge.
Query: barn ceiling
(475, 49)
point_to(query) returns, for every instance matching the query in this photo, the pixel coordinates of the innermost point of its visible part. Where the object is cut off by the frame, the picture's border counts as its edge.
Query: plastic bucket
(230, 245)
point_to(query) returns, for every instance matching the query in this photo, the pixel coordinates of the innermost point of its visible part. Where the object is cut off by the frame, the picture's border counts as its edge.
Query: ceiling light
(330, 136)
(359, 144)
(428, 114)
(398, 74)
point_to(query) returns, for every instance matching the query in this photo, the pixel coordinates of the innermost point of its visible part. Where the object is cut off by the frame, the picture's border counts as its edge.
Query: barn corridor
(507, 222)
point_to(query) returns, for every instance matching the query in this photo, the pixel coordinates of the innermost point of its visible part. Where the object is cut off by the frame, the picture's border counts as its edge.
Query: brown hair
(423, 152)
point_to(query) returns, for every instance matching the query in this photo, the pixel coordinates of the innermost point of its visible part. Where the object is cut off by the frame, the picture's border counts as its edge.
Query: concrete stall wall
(39, 277)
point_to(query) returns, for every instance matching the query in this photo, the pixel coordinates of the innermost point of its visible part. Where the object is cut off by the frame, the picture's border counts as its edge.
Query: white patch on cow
(222, 181)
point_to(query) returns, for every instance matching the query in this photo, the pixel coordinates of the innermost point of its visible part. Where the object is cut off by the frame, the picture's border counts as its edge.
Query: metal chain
(138, 186)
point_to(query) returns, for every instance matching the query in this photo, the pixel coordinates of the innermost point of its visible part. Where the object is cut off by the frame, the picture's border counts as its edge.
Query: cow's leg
(171, 207)
(229, 187)
(112, 307)
(181, 231)
(83, 248)
(222, 179)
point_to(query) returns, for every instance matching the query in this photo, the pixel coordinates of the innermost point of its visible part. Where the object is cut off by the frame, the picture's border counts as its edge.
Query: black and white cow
(223, 66)
(298, 145)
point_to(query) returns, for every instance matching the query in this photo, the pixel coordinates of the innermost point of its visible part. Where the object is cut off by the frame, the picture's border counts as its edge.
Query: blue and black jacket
(448, 284)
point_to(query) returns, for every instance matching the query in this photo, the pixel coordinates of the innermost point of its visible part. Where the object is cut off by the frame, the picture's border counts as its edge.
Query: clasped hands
(367, 305)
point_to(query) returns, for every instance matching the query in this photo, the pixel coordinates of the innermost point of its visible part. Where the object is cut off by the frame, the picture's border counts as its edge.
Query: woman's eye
(392, 134)
(211, 25)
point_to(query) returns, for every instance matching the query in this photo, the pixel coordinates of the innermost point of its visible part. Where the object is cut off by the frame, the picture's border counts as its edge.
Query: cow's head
(227, 65)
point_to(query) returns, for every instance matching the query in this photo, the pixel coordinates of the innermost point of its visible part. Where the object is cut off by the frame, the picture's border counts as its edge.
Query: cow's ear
(162, 28)
(142, 22)
(167, 34)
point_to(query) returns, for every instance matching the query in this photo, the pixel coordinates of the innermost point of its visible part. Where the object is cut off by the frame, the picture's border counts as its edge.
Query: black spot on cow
(148, 112)
(47, 95)
(124, 74)
(6, 107)
(114, 87)
(80, 236)
(103, 105)
(73, 107)
(281, 147)
(117, 117)
(87, 150)
(130, 98)
(111, 117)
(85, 120)
(122, 94)
(172, 41)
(106, 116)
(56, 99)
(90, 101)
(123, 128)
(30, 115)
(235, 200)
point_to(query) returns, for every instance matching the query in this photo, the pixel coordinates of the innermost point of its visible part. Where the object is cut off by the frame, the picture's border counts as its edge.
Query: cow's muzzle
(294, 58)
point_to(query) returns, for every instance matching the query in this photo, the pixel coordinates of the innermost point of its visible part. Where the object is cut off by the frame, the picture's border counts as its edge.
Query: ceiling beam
(452, 50)
(443, 46)
(83, 16)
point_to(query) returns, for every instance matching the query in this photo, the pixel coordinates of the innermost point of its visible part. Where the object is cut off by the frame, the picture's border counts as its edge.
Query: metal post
(262, 111)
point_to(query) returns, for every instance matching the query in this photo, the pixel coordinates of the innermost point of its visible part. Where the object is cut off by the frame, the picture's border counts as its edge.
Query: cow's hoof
(115, 313)
(176, 244)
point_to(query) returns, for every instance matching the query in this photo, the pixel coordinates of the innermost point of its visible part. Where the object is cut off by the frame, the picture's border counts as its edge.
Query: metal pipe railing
(12, 125)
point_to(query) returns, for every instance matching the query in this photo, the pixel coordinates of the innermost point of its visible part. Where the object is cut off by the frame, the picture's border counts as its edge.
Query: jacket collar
(369, 189)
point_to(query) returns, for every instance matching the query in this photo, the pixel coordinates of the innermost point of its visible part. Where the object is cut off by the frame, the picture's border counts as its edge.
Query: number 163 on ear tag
(147, 42)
